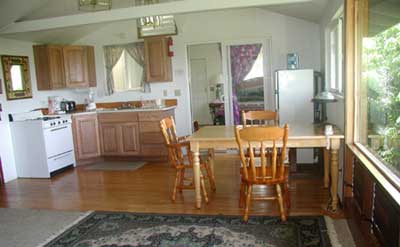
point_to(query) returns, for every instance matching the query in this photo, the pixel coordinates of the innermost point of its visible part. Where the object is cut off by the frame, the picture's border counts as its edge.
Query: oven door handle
(61, 155)
(58, 128)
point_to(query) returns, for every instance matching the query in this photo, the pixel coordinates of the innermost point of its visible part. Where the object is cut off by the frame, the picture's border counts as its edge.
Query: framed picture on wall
(292, 61)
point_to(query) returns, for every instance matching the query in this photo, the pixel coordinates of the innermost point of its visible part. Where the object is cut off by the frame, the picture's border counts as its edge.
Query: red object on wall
(170, 42)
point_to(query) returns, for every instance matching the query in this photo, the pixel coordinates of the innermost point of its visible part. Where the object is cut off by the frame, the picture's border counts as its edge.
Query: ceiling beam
(175, 7)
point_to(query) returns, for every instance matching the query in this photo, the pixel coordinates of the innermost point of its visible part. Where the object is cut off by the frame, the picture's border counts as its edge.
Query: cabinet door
(76, 66)
(110, 139)
(86, 137)
(158, 63)
(56, 67)
(130, 138)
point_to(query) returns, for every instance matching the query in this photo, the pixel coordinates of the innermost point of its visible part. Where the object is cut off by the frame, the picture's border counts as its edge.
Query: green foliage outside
(382, 72)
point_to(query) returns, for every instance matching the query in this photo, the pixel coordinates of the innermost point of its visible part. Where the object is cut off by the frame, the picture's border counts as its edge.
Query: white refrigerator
(294, 90)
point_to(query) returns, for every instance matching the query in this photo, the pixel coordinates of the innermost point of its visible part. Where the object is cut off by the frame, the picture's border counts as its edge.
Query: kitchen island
(119, 134)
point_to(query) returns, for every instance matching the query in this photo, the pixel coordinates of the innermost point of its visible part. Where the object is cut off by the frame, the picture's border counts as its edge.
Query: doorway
(250, 81)
(206, 83)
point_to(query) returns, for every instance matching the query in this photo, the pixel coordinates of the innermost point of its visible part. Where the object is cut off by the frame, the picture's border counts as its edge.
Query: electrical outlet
(165, 92)
(177, 92)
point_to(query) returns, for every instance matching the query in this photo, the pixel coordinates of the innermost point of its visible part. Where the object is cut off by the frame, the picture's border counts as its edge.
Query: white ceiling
(13, 10)
(310, 11)
(17, 15)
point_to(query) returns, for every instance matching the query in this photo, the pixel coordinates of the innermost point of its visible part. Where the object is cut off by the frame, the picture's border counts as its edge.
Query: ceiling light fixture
(94, 5)
(155, 25)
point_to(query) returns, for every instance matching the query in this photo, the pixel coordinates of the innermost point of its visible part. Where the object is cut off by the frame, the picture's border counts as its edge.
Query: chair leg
(242, 195)
(287, 195)
(182, 179)
(247, 206)
(211, 160)
(210, 177)
(280, 201)
(176, 184)
(203, 188)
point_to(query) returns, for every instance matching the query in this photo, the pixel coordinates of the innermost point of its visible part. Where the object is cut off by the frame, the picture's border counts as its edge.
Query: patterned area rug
(117, 229)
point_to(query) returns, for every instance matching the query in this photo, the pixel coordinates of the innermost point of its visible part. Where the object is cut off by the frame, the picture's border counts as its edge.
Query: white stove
(43, 144)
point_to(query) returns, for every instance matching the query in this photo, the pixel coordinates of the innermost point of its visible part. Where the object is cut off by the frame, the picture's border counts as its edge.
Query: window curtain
(112, 53)
(243, 58)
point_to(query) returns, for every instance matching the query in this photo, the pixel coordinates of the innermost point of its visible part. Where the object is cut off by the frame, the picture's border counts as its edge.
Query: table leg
(196, 172)
(326, 168)
(334, 178)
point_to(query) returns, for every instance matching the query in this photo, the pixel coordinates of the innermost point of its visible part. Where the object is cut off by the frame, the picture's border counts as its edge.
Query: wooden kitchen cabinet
(119, 134)
(49, 64)
(60, 66)
(157, 59)
(109, 136)
(86, 136)
(130, 138)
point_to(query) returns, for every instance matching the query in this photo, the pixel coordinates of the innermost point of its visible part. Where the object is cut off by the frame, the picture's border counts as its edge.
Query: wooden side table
(214, 109)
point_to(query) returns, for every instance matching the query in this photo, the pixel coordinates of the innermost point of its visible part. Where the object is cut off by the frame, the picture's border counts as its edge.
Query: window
(127, 74)
(378, 87)
(334, 54)
(125, 67)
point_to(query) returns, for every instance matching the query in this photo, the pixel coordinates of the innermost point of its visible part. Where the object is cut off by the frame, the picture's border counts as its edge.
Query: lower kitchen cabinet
(86, 136)
(109, 139)
(130, 144)
(119, 134)
(120, 138)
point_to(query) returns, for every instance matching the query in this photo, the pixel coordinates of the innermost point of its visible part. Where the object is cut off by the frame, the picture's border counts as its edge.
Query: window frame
(356, 19)
(336, 24)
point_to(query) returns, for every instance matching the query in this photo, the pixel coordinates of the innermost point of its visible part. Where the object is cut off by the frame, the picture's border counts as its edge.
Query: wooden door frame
(191, 85)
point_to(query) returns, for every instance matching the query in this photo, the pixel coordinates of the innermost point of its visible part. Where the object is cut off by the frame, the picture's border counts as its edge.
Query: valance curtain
(112, 54)
(243, 58)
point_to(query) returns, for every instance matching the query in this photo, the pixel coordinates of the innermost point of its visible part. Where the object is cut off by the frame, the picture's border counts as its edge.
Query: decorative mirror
(17, 77)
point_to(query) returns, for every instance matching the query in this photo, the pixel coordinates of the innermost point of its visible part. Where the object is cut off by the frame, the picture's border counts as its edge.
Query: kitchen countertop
(113, 110)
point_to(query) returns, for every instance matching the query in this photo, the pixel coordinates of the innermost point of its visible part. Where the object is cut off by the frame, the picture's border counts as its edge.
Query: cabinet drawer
(150, 127)
(154, 116)
(151, 138)
(154, 150)
(118, 117)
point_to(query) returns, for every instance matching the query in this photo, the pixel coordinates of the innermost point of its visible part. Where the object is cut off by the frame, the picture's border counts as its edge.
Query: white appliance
(42, 144)
(294, 90)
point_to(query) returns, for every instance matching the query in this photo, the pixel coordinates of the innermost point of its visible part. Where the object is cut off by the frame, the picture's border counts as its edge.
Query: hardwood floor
(149, 189)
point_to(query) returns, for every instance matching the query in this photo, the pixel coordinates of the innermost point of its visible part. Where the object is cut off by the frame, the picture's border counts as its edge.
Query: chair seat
(257, 180)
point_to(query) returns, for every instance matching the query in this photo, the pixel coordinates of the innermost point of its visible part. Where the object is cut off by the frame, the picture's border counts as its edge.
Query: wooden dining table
(300, 136)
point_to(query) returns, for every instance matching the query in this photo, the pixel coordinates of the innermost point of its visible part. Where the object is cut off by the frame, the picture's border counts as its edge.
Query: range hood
(156, 25)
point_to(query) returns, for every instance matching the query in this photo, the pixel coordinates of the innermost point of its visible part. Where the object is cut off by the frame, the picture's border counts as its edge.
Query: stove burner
(47, 118)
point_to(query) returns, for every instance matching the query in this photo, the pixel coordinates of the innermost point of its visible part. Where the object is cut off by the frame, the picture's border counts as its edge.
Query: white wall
(287, 34)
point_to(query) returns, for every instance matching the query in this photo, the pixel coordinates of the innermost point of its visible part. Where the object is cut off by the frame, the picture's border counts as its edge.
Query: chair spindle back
(260, 118)
(257, 138)
(175, 154)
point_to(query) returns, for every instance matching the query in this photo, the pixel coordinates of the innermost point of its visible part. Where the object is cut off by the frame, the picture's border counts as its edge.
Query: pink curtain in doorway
(242, 60)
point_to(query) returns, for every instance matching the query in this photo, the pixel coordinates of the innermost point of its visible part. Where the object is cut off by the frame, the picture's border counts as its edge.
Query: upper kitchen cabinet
(64, 66)
(157, 59)
(79, 66)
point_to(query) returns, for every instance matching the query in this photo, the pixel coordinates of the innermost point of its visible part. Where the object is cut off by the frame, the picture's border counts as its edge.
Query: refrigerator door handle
(277, 91)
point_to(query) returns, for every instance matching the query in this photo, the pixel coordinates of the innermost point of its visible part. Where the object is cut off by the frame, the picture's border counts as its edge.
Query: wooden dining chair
(260, 118)
(268, 118)
(268, 170)
(181, 162)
